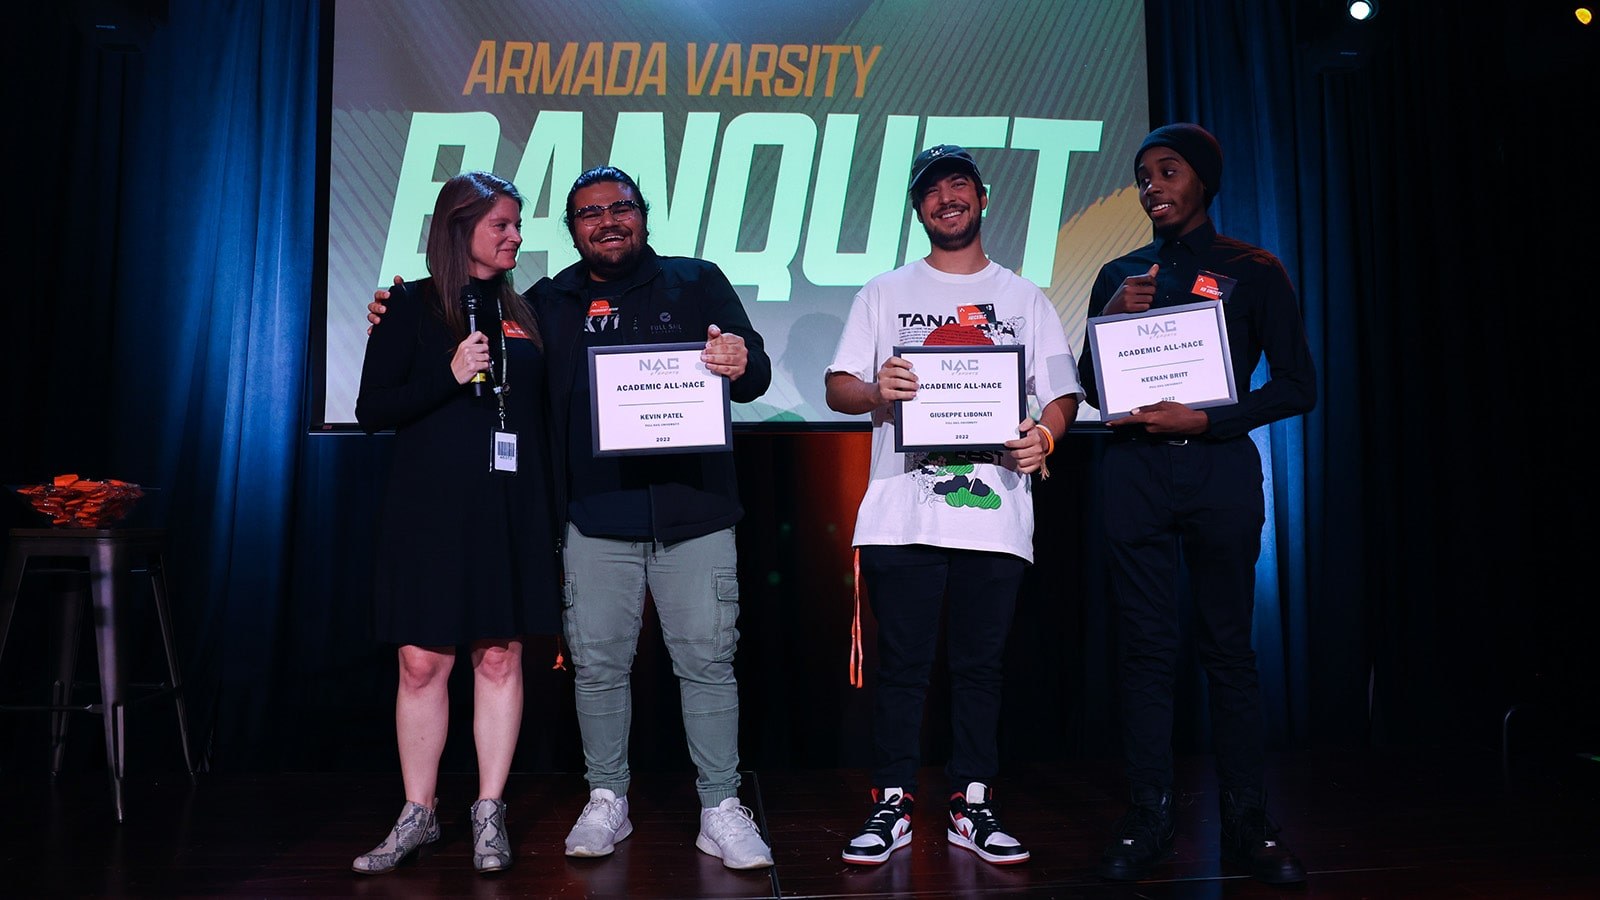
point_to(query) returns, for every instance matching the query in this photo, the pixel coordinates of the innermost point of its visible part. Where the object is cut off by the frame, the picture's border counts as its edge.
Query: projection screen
(774, 139)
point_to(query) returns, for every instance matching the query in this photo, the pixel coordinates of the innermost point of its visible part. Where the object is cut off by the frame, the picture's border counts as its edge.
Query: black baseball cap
(942, 156)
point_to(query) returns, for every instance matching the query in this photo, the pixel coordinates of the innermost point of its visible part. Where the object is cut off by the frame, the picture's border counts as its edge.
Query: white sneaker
(603, 822)
(728, 832)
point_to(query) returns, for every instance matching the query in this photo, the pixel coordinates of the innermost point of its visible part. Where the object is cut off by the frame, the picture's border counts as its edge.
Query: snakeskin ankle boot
(417, 825)
(491, 849)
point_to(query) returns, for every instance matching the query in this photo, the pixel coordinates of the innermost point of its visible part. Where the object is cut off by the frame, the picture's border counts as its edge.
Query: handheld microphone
(469, 304)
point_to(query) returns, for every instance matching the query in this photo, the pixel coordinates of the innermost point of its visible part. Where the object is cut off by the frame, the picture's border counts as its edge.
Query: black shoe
(887, 829)
(1143, 837)
(973, 825)
(1250, 840)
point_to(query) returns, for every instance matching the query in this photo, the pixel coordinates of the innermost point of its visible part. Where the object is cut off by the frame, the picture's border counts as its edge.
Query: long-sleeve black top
(1259, 306)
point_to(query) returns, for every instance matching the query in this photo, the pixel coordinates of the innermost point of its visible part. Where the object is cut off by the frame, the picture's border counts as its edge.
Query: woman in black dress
(466, 550)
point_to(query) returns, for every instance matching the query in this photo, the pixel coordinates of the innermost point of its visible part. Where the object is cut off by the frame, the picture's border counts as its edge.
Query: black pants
(907, 587)
(1204, 500)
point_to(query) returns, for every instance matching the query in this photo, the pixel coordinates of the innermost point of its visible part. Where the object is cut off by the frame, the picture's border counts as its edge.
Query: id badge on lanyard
(503, 453)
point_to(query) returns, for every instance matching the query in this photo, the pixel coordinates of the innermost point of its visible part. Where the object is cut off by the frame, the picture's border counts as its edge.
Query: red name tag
(512, 329)
(1206, 286)
(600, 307)
(975, 314)
(1213, 286)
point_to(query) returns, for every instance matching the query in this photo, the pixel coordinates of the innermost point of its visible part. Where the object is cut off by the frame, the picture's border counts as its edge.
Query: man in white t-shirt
(948, 526)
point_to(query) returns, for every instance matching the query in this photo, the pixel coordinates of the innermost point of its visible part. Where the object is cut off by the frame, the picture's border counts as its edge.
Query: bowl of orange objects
(72, 502)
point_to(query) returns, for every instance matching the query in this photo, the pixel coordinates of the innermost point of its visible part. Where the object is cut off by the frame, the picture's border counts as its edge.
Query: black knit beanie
(1197, 147)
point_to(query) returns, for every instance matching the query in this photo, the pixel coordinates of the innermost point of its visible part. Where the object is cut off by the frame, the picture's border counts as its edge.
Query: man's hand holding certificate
(962, 397)
(662, 398)
(1144, 356)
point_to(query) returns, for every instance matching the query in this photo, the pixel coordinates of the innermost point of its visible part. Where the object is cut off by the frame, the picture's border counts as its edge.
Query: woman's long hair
(463, 202)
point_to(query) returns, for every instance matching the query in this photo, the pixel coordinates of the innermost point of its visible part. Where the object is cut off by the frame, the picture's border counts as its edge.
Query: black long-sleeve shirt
(1259, 306)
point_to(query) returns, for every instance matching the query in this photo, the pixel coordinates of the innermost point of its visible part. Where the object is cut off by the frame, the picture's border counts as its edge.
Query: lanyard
(502, 383)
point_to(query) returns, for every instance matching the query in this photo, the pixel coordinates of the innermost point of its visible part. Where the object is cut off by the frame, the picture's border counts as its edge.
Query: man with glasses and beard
(663, 522)
(950, 527)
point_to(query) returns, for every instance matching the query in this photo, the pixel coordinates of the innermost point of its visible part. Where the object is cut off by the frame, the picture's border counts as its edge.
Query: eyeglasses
(620, 210)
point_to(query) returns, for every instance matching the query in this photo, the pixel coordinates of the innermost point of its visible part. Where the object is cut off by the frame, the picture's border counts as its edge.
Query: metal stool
(106, 558)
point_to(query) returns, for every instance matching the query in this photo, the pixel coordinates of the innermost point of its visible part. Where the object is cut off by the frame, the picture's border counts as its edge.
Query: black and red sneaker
(973, 825)
(887, 829)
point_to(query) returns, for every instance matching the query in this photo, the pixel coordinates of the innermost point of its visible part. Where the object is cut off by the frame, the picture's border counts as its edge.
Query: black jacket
(673, 299)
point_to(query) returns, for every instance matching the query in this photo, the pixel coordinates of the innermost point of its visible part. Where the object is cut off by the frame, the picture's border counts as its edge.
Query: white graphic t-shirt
(973, 500)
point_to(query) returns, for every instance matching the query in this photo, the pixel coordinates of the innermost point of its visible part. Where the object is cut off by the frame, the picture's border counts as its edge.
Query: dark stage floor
(1366, 825)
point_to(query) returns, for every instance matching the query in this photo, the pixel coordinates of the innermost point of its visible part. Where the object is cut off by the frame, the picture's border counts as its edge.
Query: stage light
(1362, 10)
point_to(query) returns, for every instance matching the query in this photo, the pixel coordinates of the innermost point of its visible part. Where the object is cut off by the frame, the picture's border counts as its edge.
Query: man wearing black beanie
(1195, 146)
(1183, 491)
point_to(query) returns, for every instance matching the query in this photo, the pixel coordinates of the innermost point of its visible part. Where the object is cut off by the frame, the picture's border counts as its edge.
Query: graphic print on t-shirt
(947, 476)
(604, 315)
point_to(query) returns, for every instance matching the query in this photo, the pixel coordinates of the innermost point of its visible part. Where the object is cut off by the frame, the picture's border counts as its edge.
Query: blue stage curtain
(1231, 68)
(214, 278)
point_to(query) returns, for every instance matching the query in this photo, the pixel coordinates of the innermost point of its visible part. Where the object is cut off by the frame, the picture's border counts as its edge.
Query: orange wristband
(1049, 438)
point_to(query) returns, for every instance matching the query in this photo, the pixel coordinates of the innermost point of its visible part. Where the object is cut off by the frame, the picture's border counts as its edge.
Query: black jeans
(1204, 500)
(907, 587)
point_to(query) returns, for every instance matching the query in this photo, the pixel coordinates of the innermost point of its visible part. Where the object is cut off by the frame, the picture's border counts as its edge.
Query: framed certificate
(968, 398)
(656, 398)
(1177, 353)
